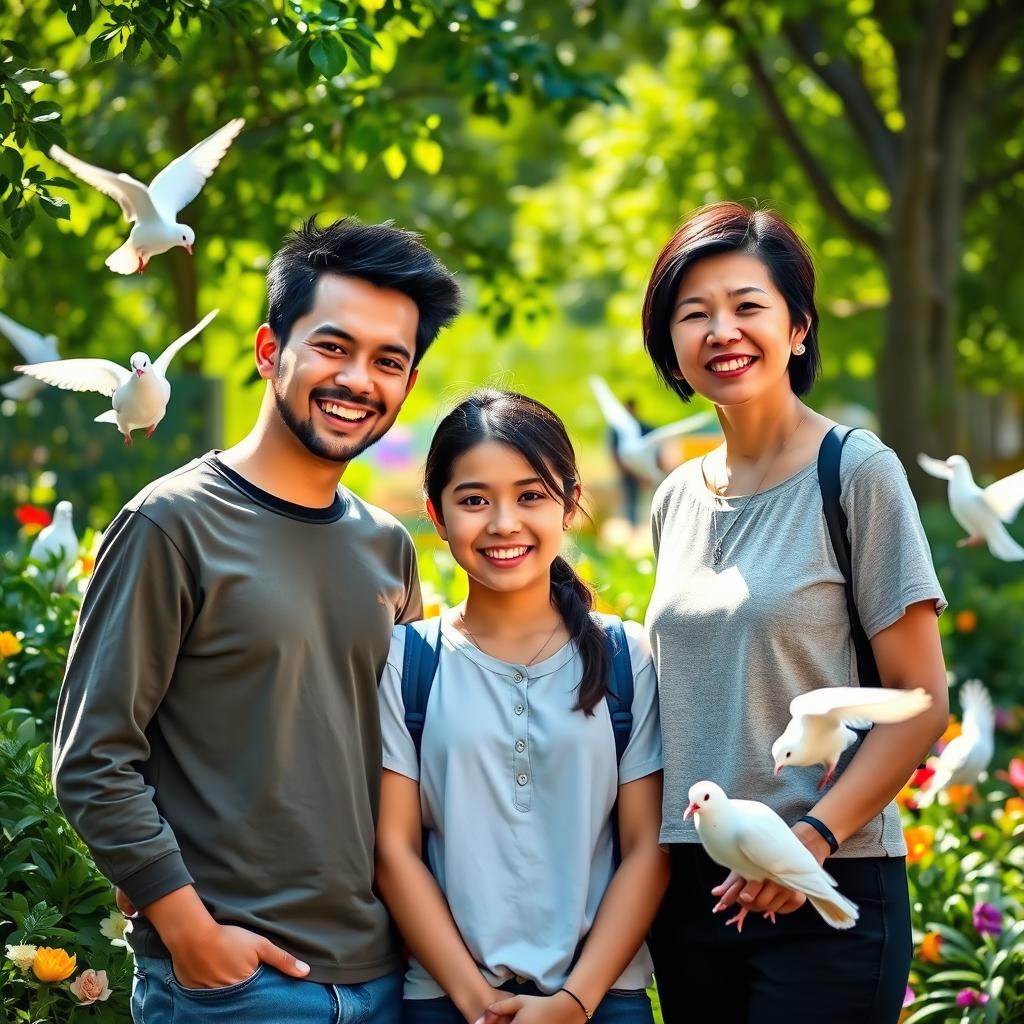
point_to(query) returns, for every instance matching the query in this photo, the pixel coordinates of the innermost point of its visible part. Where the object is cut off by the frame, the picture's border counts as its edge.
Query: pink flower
(987, 919)
(908, 996)
(971, 997)
(1015, 775)
(91, 987)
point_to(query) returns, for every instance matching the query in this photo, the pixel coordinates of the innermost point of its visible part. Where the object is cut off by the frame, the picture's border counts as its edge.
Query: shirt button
(522, 779)
(519, 709)
(518, 677)
(520, 746)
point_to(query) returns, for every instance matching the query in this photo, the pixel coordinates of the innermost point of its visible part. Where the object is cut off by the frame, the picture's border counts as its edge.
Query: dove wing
(1005, 497)
(615, 413)
(658, 437)
(766, 840)
(871, 703)
(183, 178)
(163, 361)
(28, 342)
(934, 467)
(79, 374)
(132, 196)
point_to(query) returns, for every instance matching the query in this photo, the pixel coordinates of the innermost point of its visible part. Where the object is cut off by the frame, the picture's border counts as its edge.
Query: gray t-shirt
(218, 720)
(733, 644)
(517, 791)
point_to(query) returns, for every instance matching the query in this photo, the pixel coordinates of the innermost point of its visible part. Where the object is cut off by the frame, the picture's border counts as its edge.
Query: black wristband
(823, 830)
(579, 1002)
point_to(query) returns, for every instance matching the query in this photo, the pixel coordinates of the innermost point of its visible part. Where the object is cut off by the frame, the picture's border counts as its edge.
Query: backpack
(419, 667)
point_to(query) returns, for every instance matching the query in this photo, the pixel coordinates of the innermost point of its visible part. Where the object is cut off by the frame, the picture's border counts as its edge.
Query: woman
(522, 909)
(749, 611)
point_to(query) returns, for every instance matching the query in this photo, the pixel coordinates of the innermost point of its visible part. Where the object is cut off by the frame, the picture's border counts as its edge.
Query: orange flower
(952, 731)
(1015, 805)
(931, 948)
(53, 964)
(959, 797)
(9, 644)
(966, 621)
(919, 842)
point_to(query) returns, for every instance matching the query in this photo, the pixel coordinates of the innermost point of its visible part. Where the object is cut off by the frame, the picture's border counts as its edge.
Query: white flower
(113, 926)
(21, 956)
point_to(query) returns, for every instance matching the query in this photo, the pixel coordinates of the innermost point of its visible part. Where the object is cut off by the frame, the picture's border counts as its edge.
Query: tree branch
(984, 183)
(843, 78)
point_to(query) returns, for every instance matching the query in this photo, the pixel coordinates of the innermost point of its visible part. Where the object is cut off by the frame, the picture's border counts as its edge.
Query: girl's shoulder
(678, 484)
(868, 462)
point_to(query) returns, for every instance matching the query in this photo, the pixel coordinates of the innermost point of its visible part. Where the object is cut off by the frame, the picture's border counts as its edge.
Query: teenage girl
(517, 909)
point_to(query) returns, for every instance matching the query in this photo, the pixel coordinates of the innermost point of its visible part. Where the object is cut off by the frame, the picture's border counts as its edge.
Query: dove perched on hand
(964, 758)
(153, 210)
(34, 348)
(981, 511)
(637, 450)
(56, 546)
(140, 395)
(824, 722)
(751, 839)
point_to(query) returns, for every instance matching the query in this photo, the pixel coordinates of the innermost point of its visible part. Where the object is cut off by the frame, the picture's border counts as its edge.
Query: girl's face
(503, 527)
(731, 329)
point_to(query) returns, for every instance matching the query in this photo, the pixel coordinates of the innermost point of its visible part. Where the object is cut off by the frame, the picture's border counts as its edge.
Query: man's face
(347, 366)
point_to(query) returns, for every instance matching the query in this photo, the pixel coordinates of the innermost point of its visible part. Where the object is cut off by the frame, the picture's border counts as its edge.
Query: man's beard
(313, 442)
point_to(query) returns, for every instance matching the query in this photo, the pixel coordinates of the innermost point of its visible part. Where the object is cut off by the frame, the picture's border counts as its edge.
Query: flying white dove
(59, 542)
(751, 839)
(153, 211)
(964, 759)
(637, 450)
(140, 395)
(34, 348)
(981, 511)
(824, 720)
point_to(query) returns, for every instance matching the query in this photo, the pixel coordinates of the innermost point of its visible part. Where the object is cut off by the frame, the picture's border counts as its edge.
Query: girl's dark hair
(539, 436)
(732, 227)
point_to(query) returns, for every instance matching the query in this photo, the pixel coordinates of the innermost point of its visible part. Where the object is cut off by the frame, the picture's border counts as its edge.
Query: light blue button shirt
(517, 791)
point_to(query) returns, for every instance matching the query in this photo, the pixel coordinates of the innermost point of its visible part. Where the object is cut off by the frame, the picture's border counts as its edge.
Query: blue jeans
(268, 997)
(619, 1006)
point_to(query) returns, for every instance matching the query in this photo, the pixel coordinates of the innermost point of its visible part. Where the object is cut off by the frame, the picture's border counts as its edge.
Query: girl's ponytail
(575, 601)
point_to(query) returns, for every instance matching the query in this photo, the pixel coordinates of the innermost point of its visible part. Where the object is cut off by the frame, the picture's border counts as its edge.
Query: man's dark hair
(379, 253)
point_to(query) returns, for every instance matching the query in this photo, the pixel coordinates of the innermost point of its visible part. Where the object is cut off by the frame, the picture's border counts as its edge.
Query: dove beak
(139, 373)
(188, 249)
(778, 768)
(692, 809)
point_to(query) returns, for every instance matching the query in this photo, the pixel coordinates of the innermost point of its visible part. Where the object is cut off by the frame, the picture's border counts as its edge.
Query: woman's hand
(769, 897)
(559, 1008)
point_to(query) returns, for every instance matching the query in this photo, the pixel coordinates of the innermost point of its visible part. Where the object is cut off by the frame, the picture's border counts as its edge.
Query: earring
(800, 349)
(565, 525)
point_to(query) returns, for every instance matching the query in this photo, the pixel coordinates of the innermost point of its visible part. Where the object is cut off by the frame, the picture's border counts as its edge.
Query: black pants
(799, 971)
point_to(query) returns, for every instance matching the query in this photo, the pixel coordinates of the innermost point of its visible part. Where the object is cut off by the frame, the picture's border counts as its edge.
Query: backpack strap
(829, 457)
(419, 666)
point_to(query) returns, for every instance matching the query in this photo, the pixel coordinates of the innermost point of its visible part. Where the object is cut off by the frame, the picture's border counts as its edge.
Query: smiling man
(217, 742)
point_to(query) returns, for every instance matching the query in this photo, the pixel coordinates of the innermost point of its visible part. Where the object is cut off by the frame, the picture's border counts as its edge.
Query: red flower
(921, 776)
(1015, 776)
(32, 515)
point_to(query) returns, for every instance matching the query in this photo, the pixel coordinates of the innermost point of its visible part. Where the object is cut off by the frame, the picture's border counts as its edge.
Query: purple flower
(987, 919)
(908, 996)
(971, 997)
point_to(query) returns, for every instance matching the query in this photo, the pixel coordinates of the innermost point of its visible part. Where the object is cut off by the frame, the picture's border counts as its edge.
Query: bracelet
(823, 830)
(576, 999)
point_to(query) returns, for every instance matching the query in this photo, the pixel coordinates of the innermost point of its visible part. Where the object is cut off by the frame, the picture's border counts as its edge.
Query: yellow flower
(966, 621)
(53, 964)
(432, 610)
(9, 644)
(931, 948)
(919, 842)
(21, 956)
(1015, 805)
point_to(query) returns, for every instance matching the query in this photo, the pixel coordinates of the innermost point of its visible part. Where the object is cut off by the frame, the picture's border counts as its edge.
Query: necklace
(472, 637)
(720, 541)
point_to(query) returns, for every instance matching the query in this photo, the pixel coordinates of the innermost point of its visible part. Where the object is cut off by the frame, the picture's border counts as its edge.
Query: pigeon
(824, 720)
(637, 450)
(153, 211)
(34, 348)
(140, 395)
(751, 839)
(56, 546)
(964, 758)
(981, 511)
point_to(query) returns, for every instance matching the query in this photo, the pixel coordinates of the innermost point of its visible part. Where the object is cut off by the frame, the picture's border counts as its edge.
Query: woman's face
(731, 329)
(503, 526)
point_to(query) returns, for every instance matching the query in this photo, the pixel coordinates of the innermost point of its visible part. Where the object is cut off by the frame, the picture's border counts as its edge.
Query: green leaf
(46, 110)
(974, 977)
(428, 154)
(17, 49)
(328, 55)
(57, 208)
(20, 219)
(6, 118)
(80, 16)
(394, 161)
(11, 163)
(929, 1010)
(100, 47)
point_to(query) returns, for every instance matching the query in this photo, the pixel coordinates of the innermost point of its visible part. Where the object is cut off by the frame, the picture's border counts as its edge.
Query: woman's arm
(909, 655)
(418, 905)
(623, 919)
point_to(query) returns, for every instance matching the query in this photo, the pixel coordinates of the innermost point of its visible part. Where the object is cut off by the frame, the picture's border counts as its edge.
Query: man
(217, 744)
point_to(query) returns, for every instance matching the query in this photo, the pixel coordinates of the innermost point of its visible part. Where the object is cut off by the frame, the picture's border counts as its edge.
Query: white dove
(140, 395)
(964, 758)
(824, 720)
(153, 211)
(637, 450)
(34, 348)
(59, 542)
(981, 511)
(751, 839)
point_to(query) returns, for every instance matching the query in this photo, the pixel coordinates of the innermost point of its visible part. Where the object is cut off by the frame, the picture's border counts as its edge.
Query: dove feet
(971, 542)
(149, 431)
(141, 268)
(127, 440)
(828, 778)
(738, 920)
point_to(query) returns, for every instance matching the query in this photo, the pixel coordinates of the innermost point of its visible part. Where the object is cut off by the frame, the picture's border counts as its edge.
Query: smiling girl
(517, 908)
